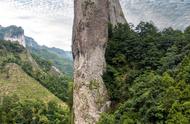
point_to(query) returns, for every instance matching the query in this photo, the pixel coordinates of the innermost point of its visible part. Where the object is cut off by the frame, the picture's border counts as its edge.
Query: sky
(49, 22)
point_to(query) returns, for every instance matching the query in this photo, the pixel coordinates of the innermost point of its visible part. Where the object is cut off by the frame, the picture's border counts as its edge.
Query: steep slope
(90, 35)
(116, 14)
(14, 81)
(22, 75)
(28, 90)
(59, 58)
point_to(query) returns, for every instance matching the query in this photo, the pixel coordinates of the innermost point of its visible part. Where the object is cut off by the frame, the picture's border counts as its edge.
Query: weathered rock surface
(90, 35)
(89, 42)
(116, 14)
(13, 33)
(19, 38)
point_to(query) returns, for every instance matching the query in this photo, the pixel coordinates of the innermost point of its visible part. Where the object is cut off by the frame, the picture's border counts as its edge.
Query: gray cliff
(90, 35)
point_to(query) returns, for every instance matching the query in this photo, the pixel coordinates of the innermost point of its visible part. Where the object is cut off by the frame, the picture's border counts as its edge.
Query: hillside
(19, 71)
(59, 58)
(26, 85)
(37, 68)
(14, 81)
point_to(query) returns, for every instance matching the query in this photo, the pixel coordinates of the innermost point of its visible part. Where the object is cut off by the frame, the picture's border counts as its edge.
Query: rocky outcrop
(55, 71)
(13, 33)
(90, 35)
(89, 42)
(116, 14)
(20, 39)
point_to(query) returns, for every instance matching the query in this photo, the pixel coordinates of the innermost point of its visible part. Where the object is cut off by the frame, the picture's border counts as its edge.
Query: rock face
(19, 38)
(116, 14)
(13, 33)
(89, 43)
(90, 35)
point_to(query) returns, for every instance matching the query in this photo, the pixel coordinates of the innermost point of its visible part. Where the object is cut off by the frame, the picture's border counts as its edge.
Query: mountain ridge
(24, 78)
(60, 59)
(13, 33)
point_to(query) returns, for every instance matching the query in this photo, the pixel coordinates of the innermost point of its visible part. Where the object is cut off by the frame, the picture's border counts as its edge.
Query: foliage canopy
(148, 75)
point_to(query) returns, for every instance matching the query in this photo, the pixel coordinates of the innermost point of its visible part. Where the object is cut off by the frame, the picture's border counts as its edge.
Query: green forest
(29, 93)
(15, 111)
(148, 75)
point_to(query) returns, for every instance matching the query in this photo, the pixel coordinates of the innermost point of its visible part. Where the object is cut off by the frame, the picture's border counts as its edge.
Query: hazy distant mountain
(64, 54)
(59, 58)
(164, 13)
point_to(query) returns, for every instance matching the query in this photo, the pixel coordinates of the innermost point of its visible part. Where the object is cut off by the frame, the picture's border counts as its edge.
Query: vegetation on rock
(57, 57)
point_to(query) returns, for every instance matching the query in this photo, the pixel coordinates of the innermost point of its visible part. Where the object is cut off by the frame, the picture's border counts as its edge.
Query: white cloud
(49, 22)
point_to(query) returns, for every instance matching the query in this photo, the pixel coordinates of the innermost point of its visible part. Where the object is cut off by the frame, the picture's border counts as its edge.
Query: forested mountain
(59, 58)
(12, 33)
(148, 75)
(125, 71)
(29, 90)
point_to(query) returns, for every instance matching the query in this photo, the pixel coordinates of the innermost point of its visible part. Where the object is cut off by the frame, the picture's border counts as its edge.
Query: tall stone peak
(90, 35)
(13, 33)
(116, 14)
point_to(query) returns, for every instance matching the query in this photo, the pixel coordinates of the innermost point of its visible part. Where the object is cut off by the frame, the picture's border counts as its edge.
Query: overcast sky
(49, 22)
